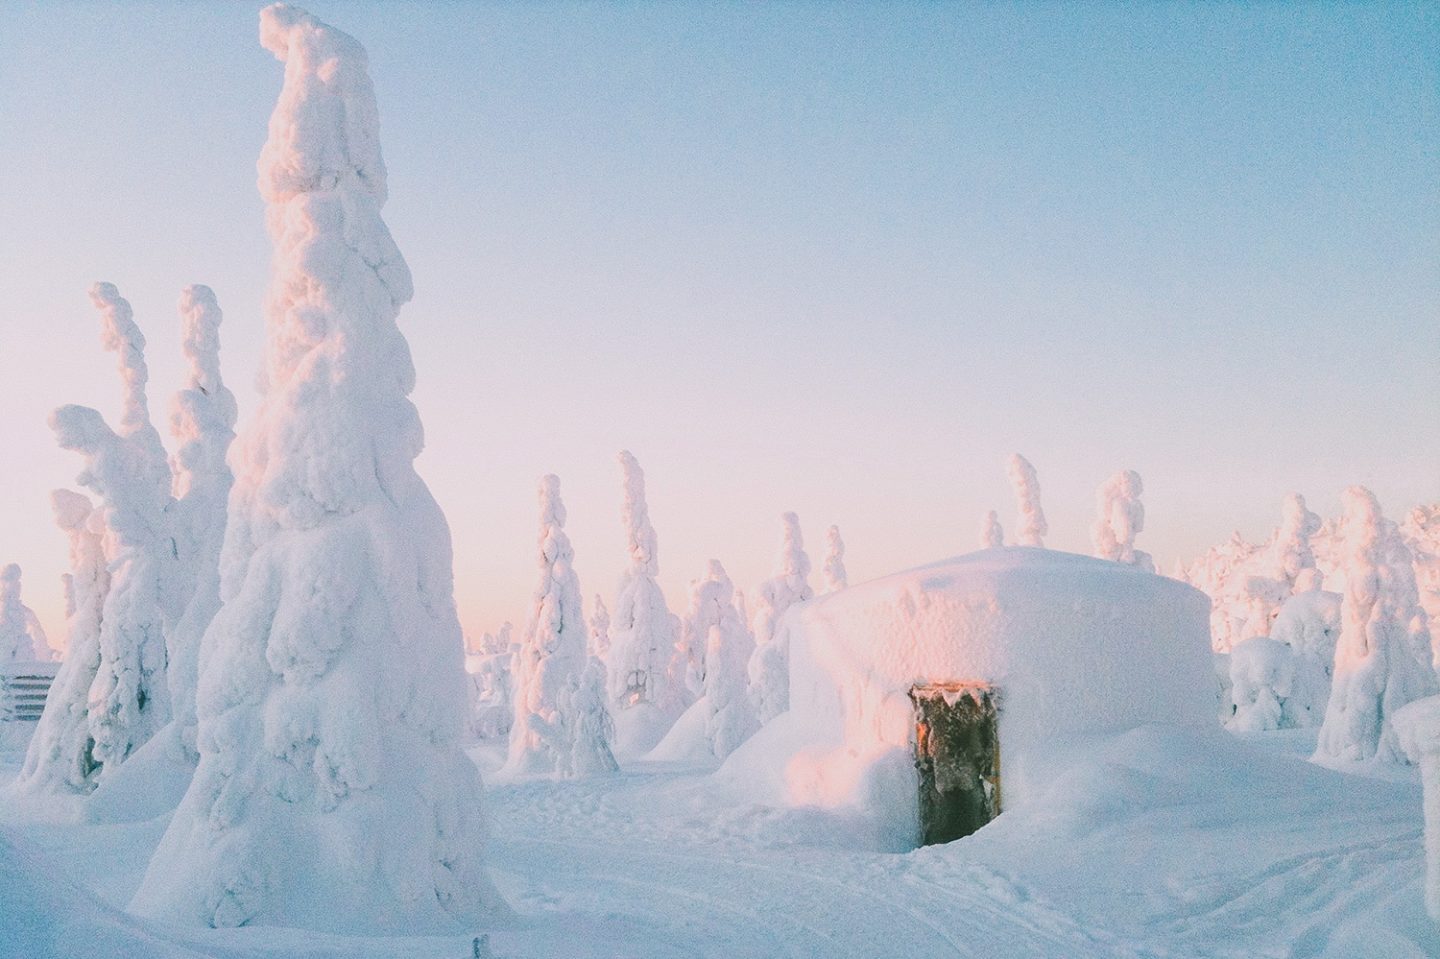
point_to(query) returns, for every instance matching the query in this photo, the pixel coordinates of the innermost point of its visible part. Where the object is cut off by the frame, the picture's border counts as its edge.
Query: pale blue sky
(833, 258)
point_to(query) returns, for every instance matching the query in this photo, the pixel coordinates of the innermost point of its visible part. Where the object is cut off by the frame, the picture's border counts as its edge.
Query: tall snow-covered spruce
(770, 664)
(1382, 660)
(129, 700)
(836, 577)
(599, 629)
(554, 731)
(202, 419)
(60, 757)
(1120, 516)
(21, 635)
(729, 714)
(991, 535)
(331, 791)
(646, 667)
(1291, 552)
(1030, 526)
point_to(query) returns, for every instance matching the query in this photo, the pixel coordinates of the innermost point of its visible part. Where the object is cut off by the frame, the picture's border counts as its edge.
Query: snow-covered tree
(1380, 662)
(706, 609)
(1031, 527)
(1222, 573)
(492, 703)
(691, 648)
(548, 737)
(491, 666)
(1264, 597)
(590, 753)
(202, 420)
(991, 535)
(1309, 623)
(1421, 532)
(645, 664)
(599, 629)
(1291, 552)
(130, 473)
(1120, 516)
(1261, 674)
(331, 791)
(21, 635)
(769, 667)
(729, 715)
(60, 757)
(835, 576)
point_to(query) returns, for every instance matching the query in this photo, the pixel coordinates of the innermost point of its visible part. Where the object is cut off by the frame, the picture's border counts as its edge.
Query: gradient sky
(840, 259)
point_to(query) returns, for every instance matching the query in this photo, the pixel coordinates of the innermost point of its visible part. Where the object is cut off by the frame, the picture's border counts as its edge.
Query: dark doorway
(957, 753)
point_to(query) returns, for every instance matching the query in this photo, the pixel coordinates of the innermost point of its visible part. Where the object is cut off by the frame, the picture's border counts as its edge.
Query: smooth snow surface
(1074, 644)
(1158, 842)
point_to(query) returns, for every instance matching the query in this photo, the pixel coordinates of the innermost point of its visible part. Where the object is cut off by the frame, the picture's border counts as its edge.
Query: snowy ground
(1155, 843)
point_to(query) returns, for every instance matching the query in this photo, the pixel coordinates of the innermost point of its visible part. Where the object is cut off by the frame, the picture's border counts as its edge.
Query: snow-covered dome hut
(1008, 651)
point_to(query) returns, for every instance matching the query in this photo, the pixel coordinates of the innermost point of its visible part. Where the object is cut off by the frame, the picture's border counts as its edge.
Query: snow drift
(1074, 645)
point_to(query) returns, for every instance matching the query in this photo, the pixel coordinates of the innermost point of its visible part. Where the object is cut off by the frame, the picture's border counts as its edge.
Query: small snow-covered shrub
(1261, 673)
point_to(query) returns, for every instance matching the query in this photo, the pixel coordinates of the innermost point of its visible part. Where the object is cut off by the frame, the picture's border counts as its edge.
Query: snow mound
(1074, 645)
(686, 742)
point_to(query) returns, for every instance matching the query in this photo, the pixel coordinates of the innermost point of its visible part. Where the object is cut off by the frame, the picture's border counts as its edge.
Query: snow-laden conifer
(331, 792)
(550, 735)
(1120, 516)
(645, 664)
(991, 535)
(1291, 552)
(769, 667)
(729, 714)
(21, 635)
(60, 757)
(129, 472)
(1382, 659)
(599, 629)
(1030, 528)
(836, 578)
(202, 420)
